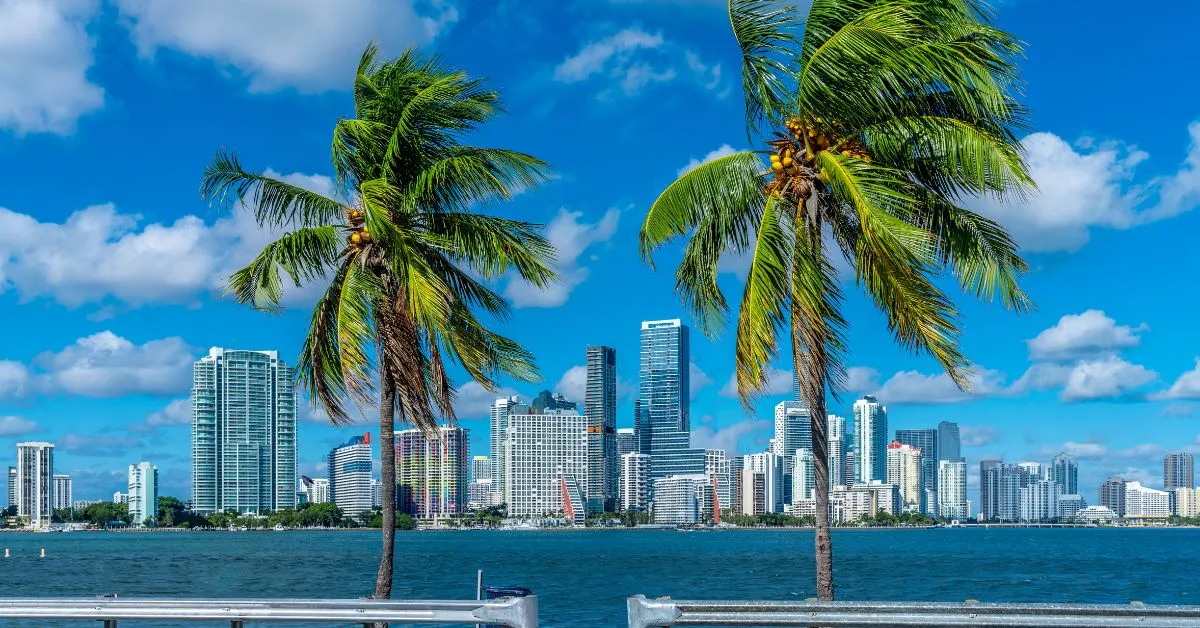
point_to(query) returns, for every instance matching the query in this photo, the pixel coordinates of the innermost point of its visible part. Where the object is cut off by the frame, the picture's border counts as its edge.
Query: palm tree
(406, 256)
(879, 118)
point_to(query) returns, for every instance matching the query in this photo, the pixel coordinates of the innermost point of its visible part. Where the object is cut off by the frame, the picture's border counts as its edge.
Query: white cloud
(779, 382)
(99, 253)
(1077, 450)
(633, 59)
(724, 150)
(697, 380)
(978, 435)
(1081, 189)
(597, 55)
(726, 438)
(1180, 409)
(1186, 387)
(45, 55)
(570, 238)
(14, 379)
(1105, 378)
(16, 426)
(474, 401)
(177, 412)
(311, 45)
(573, 383)
(860, 378)
(1081, 335)
(107, 365)
(913, 387)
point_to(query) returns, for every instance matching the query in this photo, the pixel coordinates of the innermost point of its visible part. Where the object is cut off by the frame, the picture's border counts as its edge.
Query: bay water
(583, 577)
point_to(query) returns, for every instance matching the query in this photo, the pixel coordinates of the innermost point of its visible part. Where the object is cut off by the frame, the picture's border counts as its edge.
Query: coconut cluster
(358, 228)
(793, 159)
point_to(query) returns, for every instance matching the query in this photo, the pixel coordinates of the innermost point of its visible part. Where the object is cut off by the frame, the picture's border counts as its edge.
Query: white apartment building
(499, 427)
(318, 492)
(635, 473)
(904, 470)
(1039, 501)
(545, 452)
(62, 491)
(804, 479)
(771, 468)
(678, 499)
(1096, 514)
(350, 475)
(716, 467)
(35, 483)
(1186, 502)
(952, 489)
(838, 475)
(143, 494)
(1143, 502)
(870, 440)
(865, 500)
(793, 428)
(1069, 506)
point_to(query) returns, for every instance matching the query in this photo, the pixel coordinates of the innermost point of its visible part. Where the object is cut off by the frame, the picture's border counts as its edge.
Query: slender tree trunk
(824, 545)
(387, 450)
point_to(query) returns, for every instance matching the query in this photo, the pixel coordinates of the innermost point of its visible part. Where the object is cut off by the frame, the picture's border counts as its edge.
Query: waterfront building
(1143, 502)
(243, 432)
(925, 440)
(952, 489)
(678, 499)
(481, 468)
(836, 433)
(752, 492)
(949, 444)
(664, 400)
(635, 473)
(1184, 502)
(804, 479)
(376, 493)
(626, 441)
(716, 468)
(866, 500)
(1034, 471)
(772, 470)
(432, 472)
(143, 494)
(546, 454)
(1069, 506)
(120, 498)
(989, 489)
(1177, 471)
(870, 440)
(1012, 478)
(1039, 501)
(904, 464)
(600, 406)
(350, 470)
(1112, 495)
(480, 494)
(62, 491)
(318, 492)
(80, 504)
(546, 400)
(793, 428)
(35, 482)
(1099, 515)
(12, 486)
(499, 412)
(1065, 471)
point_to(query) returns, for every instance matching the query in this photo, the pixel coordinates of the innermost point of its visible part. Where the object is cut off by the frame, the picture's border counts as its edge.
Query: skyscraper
(949, 444)
(350, 470)
(600, 406)
(635, 473)
(1065, 471)
(793, 428)
(626, 441)
(243, 432)
(143, 493)
(770, 467)
(904, 464)
(481, 468)
(431, 473)
(989, 489)
(716, 467)
(952, 489)
(663, 395)
(927, 441)
(35, 482)
(547, 458)
(12, 486)
(870, 440)
(501, 408)
(804, 480)
(1177, 471)
(62, 491)
(836, 435)
(1112, 495)
(546, 400)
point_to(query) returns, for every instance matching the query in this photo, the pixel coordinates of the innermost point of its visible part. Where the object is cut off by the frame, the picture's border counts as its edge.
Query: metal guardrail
(511, 612)
(645, 613)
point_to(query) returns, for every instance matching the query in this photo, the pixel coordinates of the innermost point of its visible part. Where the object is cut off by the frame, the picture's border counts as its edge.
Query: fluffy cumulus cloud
(177, 412)
(45, 55)
(1092, 186)
(571, 238)
(17, 426)
(779, 382)
(14, 379)
(1097, 451)
(1106, 378)
(573, 383)
(99, 254)
(724, 150)
(861, 378)
(707, 436)
(914, 387)
(632, 59)
(1080, 335)
(1187, 386)
(697, 380)
(474, 401)
(99, 445)
(311, 45)
(107, 365)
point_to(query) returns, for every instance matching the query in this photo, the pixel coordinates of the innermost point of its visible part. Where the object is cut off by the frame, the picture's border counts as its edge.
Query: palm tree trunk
(824, 545)
(387, 450)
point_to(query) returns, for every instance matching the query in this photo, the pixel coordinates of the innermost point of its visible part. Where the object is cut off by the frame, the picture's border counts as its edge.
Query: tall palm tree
(406, 256)
(879, 118)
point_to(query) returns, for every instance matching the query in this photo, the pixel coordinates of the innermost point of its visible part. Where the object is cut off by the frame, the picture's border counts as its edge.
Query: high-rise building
(547, 456)
(952, 489)
(904, 470)
(752, 491)
(1013, 477)
(1112, 495)
(989, 489)
(635, 473)
(927, 441)
(626, 441)
(350, 470)
(501, 408)
(870, 440)
(1143, 502)
(1065, 471)
(319, 491)
(1185, 502)
(1039, 500)
(481, 468)
(62, 491)
(35, 482)
(431, 472)
(1177, 471)
(770, 466)
(376, 493)
(716, 468)
(663, 398)
(12, 486)
(836, 435)
(481, 495)
(547, 400)
(143, 494)
(793, 428)
(949, 443)
(679, 499)
(600, 406)
(1069, 507)
(804, 479)
(243, 432)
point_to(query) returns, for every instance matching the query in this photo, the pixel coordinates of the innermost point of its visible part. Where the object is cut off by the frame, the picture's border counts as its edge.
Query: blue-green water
(583, 577)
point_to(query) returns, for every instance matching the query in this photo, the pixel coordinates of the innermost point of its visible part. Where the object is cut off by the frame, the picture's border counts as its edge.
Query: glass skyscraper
(663, 401)
(927, 442)
(600, 406)
(870, 440)
(949, 443)
(243, 432)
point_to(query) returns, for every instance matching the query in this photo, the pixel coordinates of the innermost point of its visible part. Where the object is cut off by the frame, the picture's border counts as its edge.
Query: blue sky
(110, 264)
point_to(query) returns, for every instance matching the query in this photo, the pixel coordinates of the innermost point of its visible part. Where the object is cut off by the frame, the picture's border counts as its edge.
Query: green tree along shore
(173, 513)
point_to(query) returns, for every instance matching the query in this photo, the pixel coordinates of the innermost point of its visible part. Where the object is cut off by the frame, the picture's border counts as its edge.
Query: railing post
(645, 613)
(237, 624)
(110, 623)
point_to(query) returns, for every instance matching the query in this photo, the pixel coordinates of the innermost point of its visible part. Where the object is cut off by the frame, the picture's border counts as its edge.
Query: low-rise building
(1069, 507)
(1185, 502)
(1100, 515)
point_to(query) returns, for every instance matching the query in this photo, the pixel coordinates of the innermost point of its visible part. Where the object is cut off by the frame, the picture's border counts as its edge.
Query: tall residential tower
(600, 406)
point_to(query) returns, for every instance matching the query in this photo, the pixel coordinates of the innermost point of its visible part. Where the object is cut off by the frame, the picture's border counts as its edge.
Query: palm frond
(305, 255)
(275, 203)
(766, 33)
(764, 309)
(319, 367)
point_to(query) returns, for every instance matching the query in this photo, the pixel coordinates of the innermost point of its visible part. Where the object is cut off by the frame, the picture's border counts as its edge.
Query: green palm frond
(469, 175)
(766, 33)
(276, 203)
(764, 310)
(319, 367)
(818, 329)
(359, 292)
(305, 255)
(492, 246)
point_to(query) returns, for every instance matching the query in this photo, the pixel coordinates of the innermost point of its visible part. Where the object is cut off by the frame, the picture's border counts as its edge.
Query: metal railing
(645, 613)
(511, 612)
